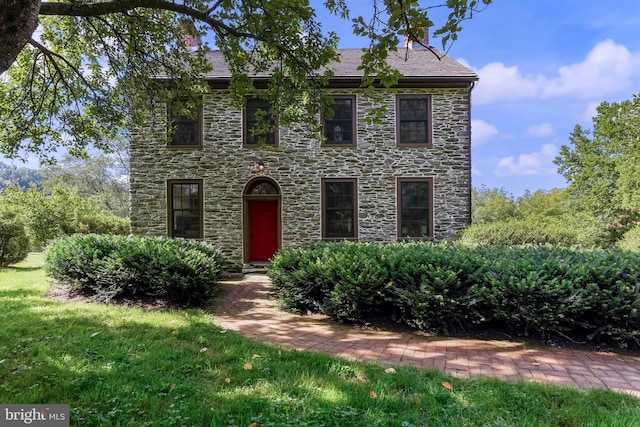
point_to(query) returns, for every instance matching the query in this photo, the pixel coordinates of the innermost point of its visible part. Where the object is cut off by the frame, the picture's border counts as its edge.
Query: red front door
(263, 229)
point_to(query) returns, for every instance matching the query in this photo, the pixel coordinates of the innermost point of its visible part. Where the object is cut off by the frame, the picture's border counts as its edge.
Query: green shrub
(62, 211)
(304, 277)
(630, 240)
(108, 267)
(360, 282)
(537, 290)
(514, 232)
(14, 243)
(102, 222)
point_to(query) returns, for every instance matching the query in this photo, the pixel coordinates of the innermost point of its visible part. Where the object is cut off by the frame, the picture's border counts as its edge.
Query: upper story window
(340, 130)
(259, 124)
(413, 120)
(339, 208)
(185, 209)
(415, 208)
(184, 131)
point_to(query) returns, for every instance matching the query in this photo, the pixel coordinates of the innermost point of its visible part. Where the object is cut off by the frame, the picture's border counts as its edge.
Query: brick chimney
(189, 35)
(411, 43)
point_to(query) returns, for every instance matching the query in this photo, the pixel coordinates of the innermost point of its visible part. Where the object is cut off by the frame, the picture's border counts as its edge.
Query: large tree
(602, 166)
(76, 71)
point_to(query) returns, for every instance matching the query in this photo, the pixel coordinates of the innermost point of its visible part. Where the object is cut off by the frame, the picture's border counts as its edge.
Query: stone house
(406, 177)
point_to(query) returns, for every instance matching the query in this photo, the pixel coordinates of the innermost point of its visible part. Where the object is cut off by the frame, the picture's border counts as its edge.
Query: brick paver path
(246, 306)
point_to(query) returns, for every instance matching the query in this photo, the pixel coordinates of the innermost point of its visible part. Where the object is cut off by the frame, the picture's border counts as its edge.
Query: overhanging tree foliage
(603, 165)
(87, 72)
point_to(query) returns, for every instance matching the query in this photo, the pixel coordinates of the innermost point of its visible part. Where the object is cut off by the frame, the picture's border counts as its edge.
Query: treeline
(600, 207)
(75, 196)
(554, 217)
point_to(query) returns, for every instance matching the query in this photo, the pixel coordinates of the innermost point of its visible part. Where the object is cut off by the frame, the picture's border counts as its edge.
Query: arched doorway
(261, 219)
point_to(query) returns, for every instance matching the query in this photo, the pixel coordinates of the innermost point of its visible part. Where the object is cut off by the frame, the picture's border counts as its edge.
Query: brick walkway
(245, 306)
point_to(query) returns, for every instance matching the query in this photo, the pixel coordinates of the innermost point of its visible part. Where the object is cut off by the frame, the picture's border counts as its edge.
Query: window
(259, 124)
(185, 209)
(185, 131)
(339, 209)
(415, 212)
(340, 130)
(413, 120)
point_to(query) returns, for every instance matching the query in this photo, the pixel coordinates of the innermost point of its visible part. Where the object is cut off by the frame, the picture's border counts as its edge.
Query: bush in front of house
(14, 243)
(111, 267)
(538, 291)
(565, 232)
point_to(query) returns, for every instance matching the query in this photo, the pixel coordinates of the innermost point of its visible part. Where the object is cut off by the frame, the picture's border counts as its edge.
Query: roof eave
(356, 81)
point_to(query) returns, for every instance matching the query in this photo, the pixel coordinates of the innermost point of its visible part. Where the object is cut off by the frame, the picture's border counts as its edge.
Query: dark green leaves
(536, 291)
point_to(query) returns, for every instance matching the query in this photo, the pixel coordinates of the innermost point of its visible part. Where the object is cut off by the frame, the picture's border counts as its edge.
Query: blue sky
(544, 66)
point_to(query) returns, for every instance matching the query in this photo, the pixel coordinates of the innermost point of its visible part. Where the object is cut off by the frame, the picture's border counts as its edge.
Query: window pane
(186, 224)
(413, 120)
(342, 109)
(415, 194)
(186, 131)
(414, 209)
(259, 122)
(339, 223)
(339, 129)
(263, 188)
(413, 132)
(413, 109)
(185, 210)
(339, 212)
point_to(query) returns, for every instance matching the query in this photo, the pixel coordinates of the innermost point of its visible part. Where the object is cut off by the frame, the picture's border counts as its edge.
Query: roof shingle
(413, 64)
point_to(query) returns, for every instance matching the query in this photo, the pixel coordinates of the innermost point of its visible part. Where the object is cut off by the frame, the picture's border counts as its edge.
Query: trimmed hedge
(108, 267)
(538, 291)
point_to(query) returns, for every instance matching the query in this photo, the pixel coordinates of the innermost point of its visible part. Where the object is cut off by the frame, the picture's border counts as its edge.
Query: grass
(120, 366)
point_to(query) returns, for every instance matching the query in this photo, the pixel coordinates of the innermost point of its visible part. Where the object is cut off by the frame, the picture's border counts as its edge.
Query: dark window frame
(325, 208)
(246, 128)
(400, 208)
(171, 209)
(172, 130)
(428, 119)
(326, 131)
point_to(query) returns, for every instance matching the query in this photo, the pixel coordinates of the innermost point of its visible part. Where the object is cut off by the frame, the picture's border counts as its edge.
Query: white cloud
(497, 81)
(539, 163)
(475, 171)
(607, 69)
(482, 131)
(543, 130)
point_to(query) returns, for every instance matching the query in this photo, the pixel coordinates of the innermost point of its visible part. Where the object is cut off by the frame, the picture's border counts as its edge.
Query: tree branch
(120, 6)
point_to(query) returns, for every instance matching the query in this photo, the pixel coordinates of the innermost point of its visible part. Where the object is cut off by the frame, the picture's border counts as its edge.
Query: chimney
(417, 42)
(189, 35)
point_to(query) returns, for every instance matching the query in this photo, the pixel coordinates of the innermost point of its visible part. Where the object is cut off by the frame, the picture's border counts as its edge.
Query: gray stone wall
(298, 165)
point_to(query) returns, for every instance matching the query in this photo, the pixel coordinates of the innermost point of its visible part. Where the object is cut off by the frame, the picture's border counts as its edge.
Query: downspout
(473, 83)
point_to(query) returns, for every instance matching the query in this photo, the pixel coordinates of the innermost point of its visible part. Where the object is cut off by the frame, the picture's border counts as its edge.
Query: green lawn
(126, 366)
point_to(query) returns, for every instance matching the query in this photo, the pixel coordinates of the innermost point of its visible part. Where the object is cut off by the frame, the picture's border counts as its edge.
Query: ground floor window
(415, 208)
(339, 208)
(185, 208)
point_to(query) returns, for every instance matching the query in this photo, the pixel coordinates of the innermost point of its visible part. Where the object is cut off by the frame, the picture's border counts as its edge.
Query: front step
(255, 267)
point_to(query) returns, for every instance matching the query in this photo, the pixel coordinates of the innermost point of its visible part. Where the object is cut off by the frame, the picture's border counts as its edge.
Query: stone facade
(297, 166)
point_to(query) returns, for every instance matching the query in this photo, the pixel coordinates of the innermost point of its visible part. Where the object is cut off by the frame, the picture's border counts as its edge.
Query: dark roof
(419, 65)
